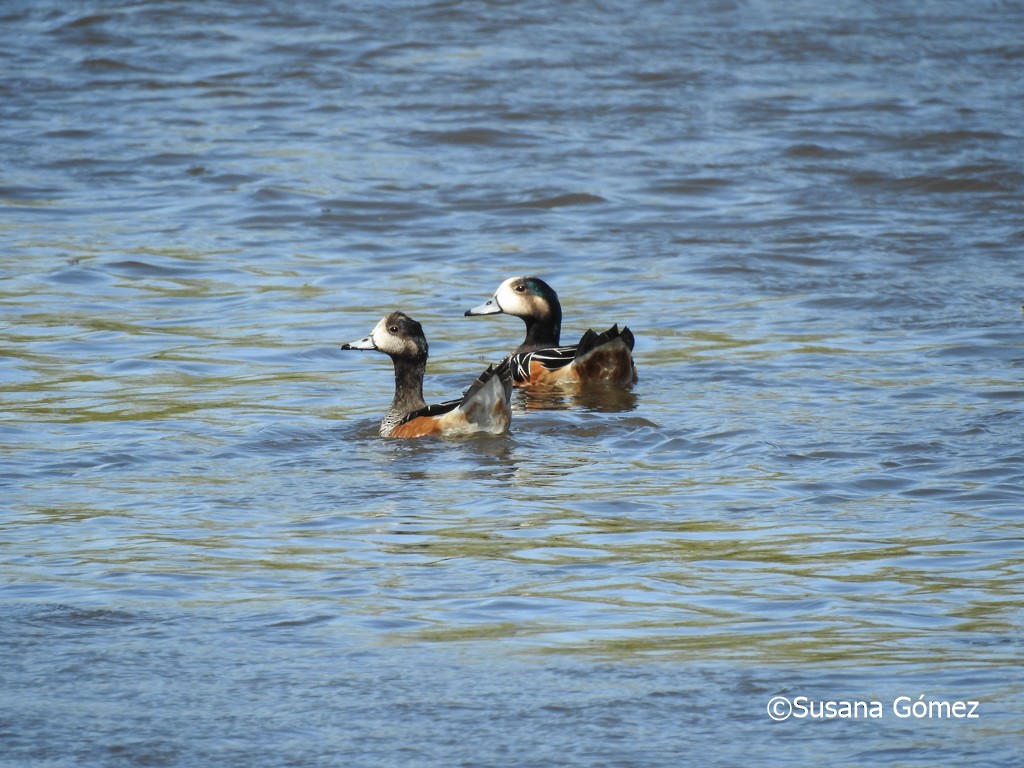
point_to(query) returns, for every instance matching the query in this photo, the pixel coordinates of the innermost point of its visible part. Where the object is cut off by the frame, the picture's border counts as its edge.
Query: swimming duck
(484, 408)
(539, 360)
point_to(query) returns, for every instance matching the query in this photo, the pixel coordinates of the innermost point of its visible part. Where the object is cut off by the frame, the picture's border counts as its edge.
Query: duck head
(396, 335)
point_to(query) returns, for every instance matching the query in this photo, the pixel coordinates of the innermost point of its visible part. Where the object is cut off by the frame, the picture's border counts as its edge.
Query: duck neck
(408, 384)
(542, 332)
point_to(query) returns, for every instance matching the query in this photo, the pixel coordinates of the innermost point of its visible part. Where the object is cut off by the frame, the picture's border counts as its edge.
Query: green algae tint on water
(810, 217)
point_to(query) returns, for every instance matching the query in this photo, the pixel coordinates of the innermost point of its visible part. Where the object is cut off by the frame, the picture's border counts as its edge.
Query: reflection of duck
(484, 408)
(539, 360)
(595, 397)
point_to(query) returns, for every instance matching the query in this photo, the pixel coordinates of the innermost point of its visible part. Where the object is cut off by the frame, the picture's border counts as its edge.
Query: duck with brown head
(485, 407)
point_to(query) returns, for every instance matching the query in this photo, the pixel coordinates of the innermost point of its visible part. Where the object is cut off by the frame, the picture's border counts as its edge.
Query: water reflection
(595, 396)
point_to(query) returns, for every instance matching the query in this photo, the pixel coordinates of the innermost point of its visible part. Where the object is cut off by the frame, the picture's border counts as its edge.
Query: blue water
(812, 218)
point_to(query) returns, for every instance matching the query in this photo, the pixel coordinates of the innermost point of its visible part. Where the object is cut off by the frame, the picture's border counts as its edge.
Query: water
(810, 215)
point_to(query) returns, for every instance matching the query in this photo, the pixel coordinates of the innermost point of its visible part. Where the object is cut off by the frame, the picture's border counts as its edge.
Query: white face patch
(390, 339)
(382, 339)
(515, 298)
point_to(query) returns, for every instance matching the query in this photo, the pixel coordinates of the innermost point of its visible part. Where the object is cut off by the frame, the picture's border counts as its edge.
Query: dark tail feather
(591, 339)
(627, 337)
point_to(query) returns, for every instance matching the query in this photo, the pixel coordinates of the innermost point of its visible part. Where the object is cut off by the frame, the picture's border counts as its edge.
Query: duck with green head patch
(539, 360)
(485, 407)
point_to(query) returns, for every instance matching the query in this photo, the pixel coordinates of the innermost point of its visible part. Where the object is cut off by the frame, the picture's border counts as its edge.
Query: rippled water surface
(811, 216)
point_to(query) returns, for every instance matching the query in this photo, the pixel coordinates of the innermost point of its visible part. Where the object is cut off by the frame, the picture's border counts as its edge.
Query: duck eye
(393, 329)
(521, 287)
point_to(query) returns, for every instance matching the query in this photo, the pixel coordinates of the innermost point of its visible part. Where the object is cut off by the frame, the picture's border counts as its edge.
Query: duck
(540, 361)
(485, 406)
